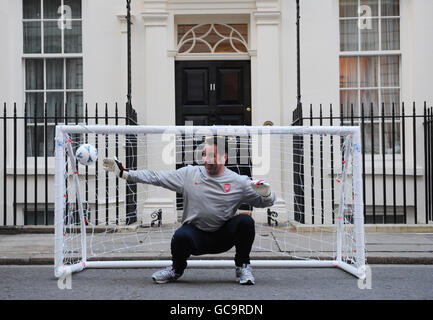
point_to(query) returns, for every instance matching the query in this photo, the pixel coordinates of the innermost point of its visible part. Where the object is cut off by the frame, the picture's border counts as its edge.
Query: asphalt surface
(388, 282)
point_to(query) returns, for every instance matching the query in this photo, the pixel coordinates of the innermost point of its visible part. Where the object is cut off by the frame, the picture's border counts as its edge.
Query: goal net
(102, 221)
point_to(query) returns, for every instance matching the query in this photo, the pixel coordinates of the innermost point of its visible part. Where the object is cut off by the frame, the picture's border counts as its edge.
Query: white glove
(116, 166)
(262, 188)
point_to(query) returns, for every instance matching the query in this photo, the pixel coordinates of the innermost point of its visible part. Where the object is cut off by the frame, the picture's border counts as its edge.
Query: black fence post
(363, 155)
(394, 193)
(298, 168)
(116, 113)
(96, 171)
(15, 164)
(4, 165)
(332, 166)
(86, 191)
(322, 202)
(383, 163)
(403, 153)
(35, 155)
(414, 166)
(430, 161)
(373, 177)
(426, 166)
(25, 162)
(131, 152)
(107, 190)
(46, 161)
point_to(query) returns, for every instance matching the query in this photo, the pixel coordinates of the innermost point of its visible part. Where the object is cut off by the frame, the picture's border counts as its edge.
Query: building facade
(236, 59)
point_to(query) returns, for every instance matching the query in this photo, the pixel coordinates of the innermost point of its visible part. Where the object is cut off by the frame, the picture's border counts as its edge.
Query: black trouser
(189, 240)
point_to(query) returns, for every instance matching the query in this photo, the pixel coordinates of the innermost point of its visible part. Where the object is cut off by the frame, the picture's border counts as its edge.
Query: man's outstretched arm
(172, 180)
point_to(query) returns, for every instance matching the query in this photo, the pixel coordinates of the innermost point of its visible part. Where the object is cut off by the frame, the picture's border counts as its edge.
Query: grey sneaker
(165, 275)
(245, 274)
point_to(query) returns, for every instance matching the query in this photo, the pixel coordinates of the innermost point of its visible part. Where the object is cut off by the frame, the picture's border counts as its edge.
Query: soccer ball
(86, 154)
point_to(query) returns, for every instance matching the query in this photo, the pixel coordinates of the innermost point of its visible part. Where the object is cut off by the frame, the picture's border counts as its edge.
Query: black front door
(215, 93)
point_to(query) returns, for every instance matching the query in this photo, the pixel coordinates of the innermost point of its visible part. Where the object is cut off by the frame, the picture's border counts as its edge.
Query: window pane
(369, 97)
(370, 135)
(390, 8)
(369, 8)
(31, 9)
(349, 35)
(54, 100)
(74, 74)
(349, 100)
(32, 37)
(369, 34)
(74, 104)
(50, 9)
(390, 34)
(35, 103)
(75, 7)
(29, 218)
(34, 133)
(73, 38)
(40, 219)
(389, 71)
(50, 140)
(348, 8)
(54, 73)
(34, 74)
(348, 72)
(392, 138)
(390, 97)
(52, 37)
(368, 71)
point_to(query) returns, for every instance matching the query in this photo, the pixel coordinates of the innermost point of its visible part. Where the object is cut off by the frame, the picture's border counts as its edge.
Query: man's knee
(245, 222)
(181, 236)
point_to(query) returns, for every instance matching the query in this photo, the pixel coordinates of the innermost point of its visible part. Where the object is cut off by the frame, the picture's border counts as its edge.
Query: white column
(268, 88)
(159, 71)
(266, 80)
(159, 106)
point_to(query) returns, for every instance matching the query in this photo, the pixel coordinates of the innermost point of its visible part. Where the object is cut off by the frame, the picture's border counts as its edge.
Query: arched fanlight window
(212, 38)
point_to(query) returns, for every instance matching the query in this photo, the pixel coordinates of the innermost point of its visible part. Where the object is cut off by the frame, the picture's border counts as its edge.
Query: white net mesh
(311, 175)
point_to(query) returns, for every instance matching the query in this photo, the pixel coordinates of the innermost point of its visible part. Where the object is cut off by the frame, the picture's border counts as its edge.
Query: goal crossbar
(223, 130)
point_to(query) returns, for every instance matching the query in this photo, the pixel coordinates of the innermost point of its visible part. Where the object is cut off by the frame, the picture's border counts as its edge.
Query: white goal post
(102, 221)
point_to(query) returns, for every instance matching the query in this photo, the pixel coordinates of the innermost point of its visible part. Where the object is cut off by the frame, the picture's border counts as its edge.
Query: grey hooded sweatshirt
(208, 201)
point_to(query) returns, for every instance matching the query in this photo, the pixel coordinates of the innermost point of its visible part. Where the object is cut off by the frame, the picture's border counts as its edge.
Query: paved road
(387, 282)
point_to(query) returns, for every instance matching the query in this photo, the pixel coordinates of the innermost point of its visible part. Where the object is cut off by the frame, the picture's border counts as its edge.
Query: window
(370, 67)
(49, 29)
(212, 38)
(39, 217)
(53, 67)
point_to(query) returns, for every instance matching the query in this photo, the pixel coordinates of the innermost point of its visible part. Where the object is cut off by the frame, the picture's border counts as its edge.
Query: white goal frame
(62, 131)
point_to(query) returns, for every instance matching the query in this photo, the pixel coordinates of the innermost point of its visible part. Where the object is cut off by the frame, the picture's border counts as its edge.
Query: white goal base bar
(211, 264)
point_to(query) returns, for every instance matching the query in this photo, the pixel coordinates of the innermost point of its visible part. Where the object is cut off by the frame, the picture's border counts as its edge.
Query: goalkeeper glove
(262, 188)
(114, 165)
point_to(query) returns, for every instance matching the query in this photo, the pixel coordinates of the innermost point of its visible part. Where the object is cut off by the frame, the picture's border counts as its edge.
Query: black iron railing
(397, 151)
(29, 134)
